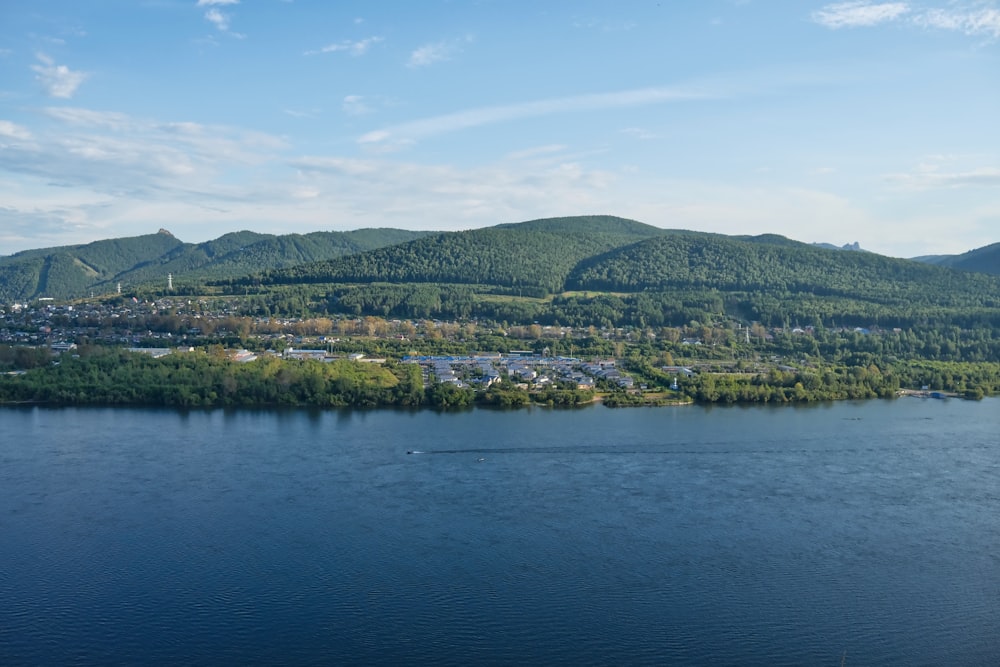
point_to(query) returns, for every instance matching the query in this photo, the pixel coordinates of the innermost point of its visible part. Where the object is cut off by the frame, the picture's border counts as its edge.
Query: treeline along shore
(100, 375)
(598, 308)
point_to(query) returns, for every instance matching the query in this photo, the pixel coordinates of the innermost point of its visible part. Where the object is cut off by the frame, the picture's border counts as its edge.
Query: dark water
(862, 534)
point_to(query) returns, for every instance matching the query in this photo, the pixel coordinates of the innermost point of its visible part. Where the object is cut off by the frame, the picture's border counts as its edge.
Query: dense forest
(532, 258)
(111, 376)
(760, 318)
(103, 376)
(615, 272)
(71, 271)
(983, 260)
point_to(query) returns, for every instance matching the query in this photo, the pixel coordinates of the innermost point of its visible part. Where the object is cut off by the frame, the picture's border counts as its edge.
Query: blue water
(855, 533)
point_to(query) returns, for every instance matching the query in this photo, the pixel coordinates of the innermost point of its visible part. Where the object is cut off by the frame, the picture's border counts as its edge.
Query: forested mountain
(69, 271)
(981, 260)
(591, 225)
(577, 270)
(685, 260)
(533, 257)
(760, 279)
(606, 270)
(606, 254)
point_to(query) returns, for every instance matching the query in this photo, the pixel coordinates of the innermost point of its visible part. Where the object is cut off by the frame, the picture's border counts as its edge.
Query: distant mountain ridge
(532, 258)
(72, 271)
(856, 247)
(980, 260)
(751, 275)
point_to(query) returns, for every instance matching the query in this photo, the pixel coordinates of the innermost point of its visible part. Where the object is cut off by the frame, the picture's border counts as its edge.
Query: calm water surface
(863, 533)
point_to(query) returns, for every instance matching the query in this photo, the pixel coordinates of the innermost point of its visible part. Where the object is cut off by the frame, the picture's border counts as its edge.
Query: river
(855, 533)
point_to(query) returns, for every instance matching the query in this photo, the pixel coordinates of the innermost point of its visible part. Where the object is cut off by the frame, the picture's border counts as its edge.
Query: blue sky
(834, 122)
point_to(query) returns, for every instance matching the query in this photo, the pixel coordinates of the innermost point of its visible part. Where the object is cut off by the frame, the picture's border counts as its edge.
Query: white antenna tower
(119, 288)
(170, 281)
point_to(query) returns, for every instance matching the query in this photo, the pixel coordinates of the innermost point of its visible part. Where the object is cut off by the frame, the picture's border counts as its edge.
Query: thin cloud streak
(354, 48)
(409, 132)
(858, 13)
(930, 177)
(436, 52)
(982, 21)
(980, 18)
(14, 131)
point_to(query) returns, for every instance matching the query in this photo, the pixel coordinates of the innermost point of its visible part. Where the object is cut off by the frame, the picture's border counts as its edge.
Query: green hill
(70, 271)
(572, 270)
(763, 278)
(610, 270)
(693, 259)
(534, 257)
(980, 260)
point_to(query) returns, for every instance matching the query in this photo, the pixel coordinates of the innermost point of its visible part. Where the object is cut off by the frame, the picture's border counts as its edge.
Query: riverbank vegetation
(688, 316)
(98, 375)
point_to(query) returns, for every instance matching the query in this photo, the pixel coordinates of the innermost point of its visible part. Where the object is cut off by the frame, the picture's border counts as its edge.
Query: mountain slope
(605, 254)
(759, 264)
(980, 260)
(534, 256)
(70, 271)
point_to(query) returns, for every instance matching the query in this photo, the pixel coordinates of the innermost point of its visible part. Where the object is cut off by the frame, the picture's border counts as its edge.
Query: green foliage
(70, 271)
(530, 259)
(446, 395)
(695, 260)
(116, 377)
(22, 357)
(983, 260)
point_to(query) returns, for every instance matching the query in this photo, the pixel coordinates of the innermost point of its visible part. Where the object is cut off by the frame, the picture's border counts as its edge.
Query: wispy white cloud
(408, 132)
(109, 120)
(57, 80)
(14, 131)
(972, 17)
(355, 105)
(537, 152)
(300, 113)
(639, 133)
(859, 13)
(939, 172)
(353, 47)
(428, 54)
(980, 20)
(112, 153)
(218, 18)
(604, 25)
(436, 52)
(92, 174)
(400, 193)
